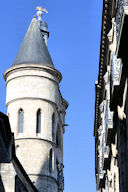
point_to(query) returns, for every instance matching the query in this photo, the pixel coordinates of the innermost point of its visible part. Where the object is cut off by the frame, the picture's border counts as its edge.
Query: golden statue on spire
(41, 9)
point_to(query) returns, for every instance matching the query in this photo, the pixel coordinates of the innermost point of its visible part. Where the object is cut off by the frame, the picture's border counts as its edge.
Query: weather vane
(40, 12)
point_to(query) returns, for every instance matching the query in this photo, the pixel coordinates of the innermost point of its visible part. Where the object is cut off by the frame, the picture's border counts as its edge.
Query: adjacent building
(111, 104)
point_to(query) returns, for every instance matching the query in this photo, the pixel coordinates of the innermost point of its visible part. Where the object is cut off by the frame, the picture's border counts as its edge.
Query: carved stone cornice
(106, 151)
(101, 171)
(116, 70)
(120, 5)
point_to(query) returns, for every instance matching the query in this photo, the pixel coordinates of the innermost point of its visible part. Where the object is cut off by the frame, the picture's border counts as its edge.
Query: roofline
(104, 48)
(32, 66)
(106, 26)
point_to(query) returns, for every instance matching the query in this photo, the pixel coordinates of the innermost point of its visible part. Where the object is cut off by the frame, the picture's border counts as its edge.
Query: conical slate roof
(33, 49)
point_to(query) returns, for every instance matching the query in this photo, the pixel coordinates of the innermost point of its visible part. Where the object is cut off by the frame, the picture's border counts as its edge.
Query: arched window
(58, 137)
(38, 121)
(51, 160)
(53, 126)
(21, 120)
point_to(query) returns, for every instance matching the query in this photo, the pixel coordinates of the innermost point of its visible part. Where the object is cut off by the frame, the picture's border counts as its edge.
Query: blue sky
(74, 42)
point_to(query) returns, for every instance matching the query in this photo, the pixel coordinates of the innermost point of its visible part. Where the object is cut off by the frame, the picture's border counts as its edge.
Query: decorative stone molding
(121, 114)
(106, 77)
(60, 177)
(106, 151)
(101, 174)
(109, 173)
(106, 184)
(114, 150)
(109, 117)
(100, 146)
(107, 83)
(108, 114)
(119, 14)
(101, 107)
(116, 69)
(100, 129)
(100, 170)
(110, 120)
(112, 36)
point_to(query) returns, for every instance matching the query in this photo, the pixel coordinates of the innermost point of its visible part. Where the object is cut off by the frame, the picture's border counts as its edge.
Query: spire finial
(40, 12)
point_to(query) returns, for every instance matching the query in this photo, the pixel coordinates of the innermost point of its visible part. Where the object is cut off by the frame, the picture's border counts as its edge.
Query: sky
(74, 44)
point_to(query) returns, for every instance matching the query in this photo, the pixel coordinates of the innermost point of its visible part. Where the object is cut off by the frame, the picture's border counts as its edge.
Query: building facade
(111, 104)
(36, 111)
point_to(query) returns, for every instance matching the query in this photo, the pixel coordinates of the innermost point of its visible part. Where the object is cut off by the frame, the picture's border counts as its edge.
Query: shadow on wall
(46, 181)
(51, 174)
(1, 186)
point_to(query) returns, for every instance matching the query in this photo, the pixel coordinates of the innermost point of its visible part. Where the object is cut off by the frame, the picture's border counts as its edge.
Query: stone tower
(36, 109)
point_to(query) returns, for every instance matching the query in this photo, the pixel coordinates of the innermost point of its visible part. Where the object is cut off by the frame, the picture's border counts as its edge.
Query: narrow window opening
(53, 126)
(21, 120)
(51, 160)
(38, 121)
(58, 137)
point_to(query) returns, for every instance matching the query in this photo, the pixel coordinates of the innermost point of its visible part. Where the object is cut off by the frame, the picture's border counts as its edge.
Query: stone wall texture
(31, 88)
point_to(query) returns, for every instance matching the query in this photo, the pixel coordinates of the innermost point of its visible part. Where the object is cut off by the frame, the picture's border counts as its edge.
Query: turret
(36, 110)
